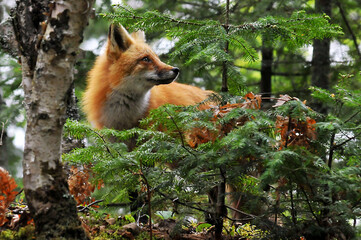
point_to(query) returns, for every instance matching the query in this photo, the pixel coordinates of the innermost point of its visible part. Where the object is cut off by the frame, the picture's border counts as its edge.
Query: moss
(24, 233)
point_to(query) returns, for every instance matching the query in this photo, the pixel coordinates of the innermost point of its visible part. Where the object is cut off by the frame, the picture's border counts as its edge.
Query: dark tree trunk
(220, 210)
(266, 72)
(320, 78)
(48, 34)
(321, 56)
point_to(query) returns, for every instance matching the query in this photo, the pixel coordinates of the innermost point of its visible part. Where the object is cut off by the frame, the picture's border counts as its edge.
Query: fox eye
(146, 59)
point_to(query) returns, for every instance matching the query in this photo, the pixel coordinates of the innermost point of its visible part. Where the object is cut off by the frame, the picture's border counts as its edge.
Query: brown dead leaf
(80, 186)
(7, 193)
(283, 99)
(111, 221)
(198, 136)
(295, 132)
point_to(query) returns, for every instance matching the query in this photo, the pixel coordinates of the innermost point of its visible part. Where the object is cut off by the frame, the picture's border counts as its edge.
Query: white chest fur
(123, 110)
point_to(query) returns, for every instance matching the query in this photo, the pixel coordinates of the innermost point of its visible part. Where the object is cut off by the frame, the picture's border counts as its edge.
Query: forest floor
(102, 226)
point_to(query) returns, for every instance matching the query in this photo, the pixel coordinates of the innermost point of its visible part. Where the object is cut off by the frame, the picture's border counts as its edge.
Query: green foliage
(202, 42)
(11, 112)
(9, 84)
(251, 232)
(294, 172)
(312, 185)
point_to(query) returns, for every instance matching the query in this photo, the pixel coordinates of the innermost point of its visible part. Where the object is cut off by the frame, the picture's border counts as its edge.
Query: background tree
(321, 54)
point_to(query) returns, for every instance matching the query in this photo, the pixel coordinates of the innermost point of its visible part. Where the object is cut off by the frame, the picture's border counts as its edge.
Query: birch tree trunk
(48, 34)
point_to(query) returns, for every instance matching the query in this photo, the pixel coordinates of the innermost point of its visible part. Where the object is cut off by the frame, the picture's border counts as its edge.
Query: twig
(332, 148)
(89, 205)
(241, 212)
(346, 141)
(106, 146)
(180, 134)
(352, 116)
(354, 39)
(176, 200)
(21, 190)
(309, 205)
(105, 143)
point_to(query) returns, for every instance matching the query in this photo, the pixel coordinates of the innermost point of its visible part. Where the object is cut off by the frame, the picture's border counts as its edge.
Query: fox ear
(119, 40)
(139, 35)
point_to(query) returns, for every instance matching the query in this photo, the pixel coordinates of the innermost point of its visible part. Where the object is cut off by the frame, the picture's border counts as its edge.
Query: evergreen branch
(164, 17)
(264, 23)
(310, 207)
(176, 200)
(247, 49)
(105, 143)
(180, 134)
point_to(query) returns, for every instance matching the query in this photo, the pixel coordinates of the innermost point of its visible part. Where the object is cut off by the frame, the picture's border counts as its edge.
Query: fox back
(129, 80)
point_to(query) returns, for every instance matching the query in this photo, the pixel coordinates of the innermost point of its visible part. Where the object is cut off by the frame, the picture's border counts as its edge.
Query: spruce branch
(310, 206)
(176, 200)
(298, 19)
(180, 134)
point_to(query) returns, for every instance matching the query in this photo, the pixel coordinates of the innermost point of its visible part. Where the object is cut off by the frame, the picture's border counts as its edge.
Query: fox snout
(166, 77)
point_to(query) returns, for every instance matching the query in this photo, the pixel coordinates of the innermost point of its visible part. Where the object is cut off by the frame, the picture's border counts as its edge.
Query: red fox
(129, 80)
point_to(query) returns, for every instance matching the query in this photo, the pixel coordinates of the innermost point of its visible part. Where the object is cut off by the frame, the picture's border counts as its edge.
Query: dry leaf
(7, 193)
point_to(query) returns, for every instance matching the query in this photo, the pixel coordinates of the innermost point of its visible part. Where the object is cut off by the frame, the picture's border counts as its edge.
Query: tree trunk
(266, 72)
(321, 56)
(220, 210)
(49, 34)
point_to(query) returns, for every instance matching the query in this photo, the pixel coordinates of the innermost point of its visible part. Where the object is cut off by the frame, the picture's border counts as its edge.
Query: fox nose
(175, 70)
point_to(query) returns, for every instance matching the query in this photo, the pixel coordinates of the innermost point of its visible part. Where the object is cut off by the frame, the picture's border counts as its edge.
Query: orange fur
(129, 80)
(177, 94)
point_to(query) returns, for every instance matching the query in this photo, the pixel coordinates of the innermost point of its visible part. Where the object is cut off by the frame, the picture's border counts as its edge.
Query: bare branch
(354, 39)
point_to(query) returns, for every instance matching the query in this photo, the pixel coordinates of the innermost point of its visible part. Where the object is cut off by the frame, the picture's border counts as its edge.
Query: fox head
(133, 64)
